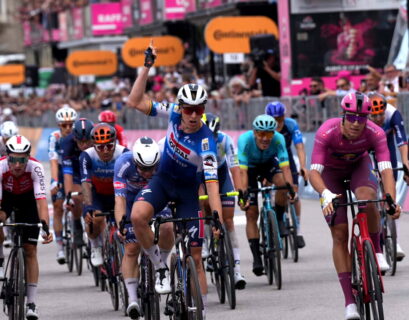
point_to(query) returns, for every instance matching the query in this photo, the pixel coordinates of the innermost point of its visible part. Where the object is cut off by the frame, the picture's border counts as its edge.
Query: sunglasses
(66, 125)
(146, 169)
(20, 160)
(341, 86)
(105, 147)
(189, 110)
(265, 134)
(355, 117)
(313, 86)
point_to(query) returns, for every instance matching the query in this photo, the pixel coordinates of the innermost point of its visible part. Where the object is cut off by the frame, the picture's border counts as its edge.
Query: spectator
(390, 80)
(316, 86)
(268, 71)
(7, 115)
(372, 82)
(343, 88)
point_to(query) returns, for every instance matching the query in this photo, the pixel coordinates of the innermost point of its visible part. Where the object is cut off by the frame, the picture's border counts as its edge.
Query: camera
(258, 57)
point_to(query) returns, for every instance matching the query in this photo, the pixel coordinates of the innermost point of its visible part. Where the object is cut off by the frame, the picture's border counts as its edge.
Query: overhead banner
(169, 50)
(232, 34)
(106, 18)
(12, 74)
(97, 63)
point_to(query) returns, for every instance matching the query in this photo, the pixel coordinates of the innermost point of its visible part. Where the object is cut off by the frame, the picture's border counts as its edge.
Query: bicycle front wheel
(228, 269)
(17, 280)
(123, 293)
(274, 256)
(375, 306)
(216, 257)
(293, 233)
(356, 278)
(389, 242)
(194, 302)
(78, 253)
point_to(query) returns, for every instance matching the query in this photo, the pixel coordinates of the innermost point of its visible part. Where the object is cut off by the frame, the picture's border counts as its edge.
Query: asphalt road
(310, 287)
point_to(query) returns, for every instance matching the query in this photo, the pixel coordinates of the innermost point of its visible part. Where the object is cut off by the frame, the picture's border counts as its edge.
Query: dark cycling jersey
(71, 157)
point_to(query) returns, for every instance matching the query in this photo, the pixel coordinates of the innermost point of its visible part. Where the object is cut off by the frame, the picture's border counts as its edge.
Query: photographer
(267, 69)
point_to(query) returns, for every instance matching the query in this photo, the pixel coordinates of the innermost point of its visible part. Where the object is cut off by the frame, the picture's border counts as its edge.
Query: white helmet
(146, 152)
(192, 94)
(66, 114)
(18, 144)
(8, 129)
(7, 112)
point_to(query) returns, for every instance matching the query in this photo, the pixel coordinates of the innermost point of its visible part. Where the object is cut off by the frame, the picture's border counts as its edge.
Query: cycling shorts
(163, 189)
(265, 171)
(360, 175)
(101, 202)
(25, 210)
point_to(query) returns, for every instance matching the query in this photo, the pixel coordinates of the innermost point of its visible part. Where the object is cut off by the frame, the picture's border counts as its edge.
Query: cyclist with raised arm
(390, 120)
(109, 117)
(289, 129)
(189, 150)
(22, 191)
(132, 172)
(72, 146)
(262, 153)
(97, 179)
(341, 152)
(226, 159)
(65, 118)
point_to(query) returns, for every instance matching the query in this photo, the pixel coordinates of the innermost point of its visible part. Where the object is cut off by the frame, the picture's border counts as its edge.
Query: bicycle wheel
(17, 281)
(228, 268)
(123, 293)
(375, 306)
(389, 242)
(67, 241)
(152, 296)
(194, 302)
(113, 270)
(293, 233)
(264, 248)
(356, 278)
(275, 252)
(175, 305)
(78, 253)
(216, 257)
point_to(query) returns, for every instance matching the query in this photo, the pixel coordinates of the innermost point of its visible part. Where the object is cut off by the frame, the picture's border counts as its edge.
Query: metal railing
(309, 111)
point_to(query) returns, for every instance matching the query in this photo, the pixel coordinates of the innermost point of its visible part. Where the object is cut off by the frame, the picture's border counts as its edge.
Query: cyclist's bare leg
(166, 240)
(58, 213)
(197, 257)
(251, 225)
(98, 226)
(130, 269)
(32, 271)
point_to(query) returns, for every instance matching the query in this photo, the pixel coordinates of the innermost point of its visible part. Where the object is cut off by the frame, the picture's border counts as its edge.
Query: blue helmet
(275, 109)
(82, 129)
(264, 122)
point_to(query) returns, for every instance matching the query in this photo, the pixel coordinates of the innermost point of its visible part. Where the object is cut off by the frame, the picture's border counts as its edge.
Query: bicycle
(185, 299)
(290, 244)
(271, 243)
(366, 277)
(222, 260)
(14, 285)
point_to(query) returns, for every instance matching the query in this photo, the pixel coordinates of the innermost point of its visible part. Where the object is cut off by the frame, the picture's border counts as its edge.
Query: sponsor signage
(12, 74)
(106, 18)
(169, 51)
(146, 12)
(232, 34)
(97, 63)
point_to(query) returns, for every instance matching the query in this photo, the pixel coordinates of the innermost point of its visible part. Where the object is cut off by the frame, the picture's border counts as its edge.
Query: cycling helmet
(18, 144)
(146, 152)
(378, 102)
(107, 116)
(275, 109)
(7, 112)
(103, 133)
(356, 102)
(192, 94)
(264, 122)
(8, 129)
(82, 129)
(66, 114)
(212, 121)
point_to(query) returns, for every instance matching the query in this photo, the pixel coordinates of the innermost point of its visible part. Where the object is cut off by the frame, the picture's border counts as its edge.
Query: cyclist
(390, 120)
(65, 118)
(341, 152)
(289, 129)
(109, 117)
(7, 130)
(226, 158)
(72, 146)
(189, 149)
(132, 172)
(262, 152)
(97, 176)
(23, 192)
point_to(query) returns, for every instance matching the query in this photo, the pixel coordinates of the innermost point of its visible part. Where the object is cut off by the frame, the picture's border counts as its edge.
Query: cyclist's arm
(243, 161)
(403, 150)
(68, 183)
(136, 97)
(400, 136)
(53, 157)
(120, 189)
(212, 188)
(42, 207)
(282, 156)
(389, 182)
(86, 176)
(288, 177)
(120, 208)
(37, 175)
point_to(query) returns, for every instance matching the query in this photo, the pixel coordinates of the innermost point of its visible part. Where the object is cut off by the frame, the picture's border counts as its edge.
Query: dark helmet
(82, 129)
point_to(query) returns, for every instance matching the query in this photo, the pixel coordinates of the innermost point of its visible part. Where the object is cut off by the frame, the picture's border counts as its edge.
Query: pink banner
(174, 10)
(55, 35)
(146, 12)
(27, 33)
(285, 46)
(106, 19)
(76, 14)
(126, 13)
(62, 21)
(212, 3)
(190, 5)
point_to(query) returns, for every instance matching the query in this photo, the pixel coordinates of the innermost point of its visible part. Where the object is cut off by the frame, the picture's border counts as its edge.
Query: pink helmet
(356, 102)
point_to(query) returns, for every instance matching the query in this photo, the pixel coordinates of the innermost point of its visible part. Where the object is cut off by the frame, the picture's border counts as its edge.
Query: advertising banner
(285, 46)
(76, 14)
(106, 18)
(174, 9)
(27, 33)
(146, 12)
(325, 43)
(126, 13)
(212, 3)
(98, 63)
(62, 22)
(315, 6)
(12, 74)
(169, 49)
(232, 34)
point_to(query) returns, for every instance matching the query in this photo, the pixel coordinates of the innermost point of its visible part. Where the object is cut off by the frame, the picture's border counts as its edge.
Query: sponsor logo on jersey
(205, 144)
(146, 191)
(119, 185)
(178, 148)
(210, 162)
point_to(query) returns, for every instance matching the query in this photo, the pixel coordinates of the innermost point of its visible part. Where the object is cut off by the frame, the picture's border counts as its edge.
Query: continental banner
(12, 74)
(97, 63)
(169, 49)
(232, 34)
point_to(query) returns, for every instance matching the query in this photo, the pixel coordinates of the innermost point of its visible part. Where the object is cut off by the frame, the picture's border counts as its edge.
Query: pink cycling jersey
(332, 149)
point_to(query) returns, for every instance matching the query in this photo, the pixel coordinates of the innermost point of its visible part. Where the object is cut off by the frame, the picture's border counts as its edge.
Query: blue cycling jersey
(185, 155)
(393, 126)
(291, 133)
(54, 146)
(70, 156)
(251, 156)
(98, 172)
(226, 152)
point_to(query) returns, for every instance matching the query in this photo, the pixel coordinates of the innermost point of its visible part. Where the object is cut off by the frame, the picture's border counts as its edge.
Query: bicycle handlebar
(388, 199)
(227, 194)
(273, 188)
